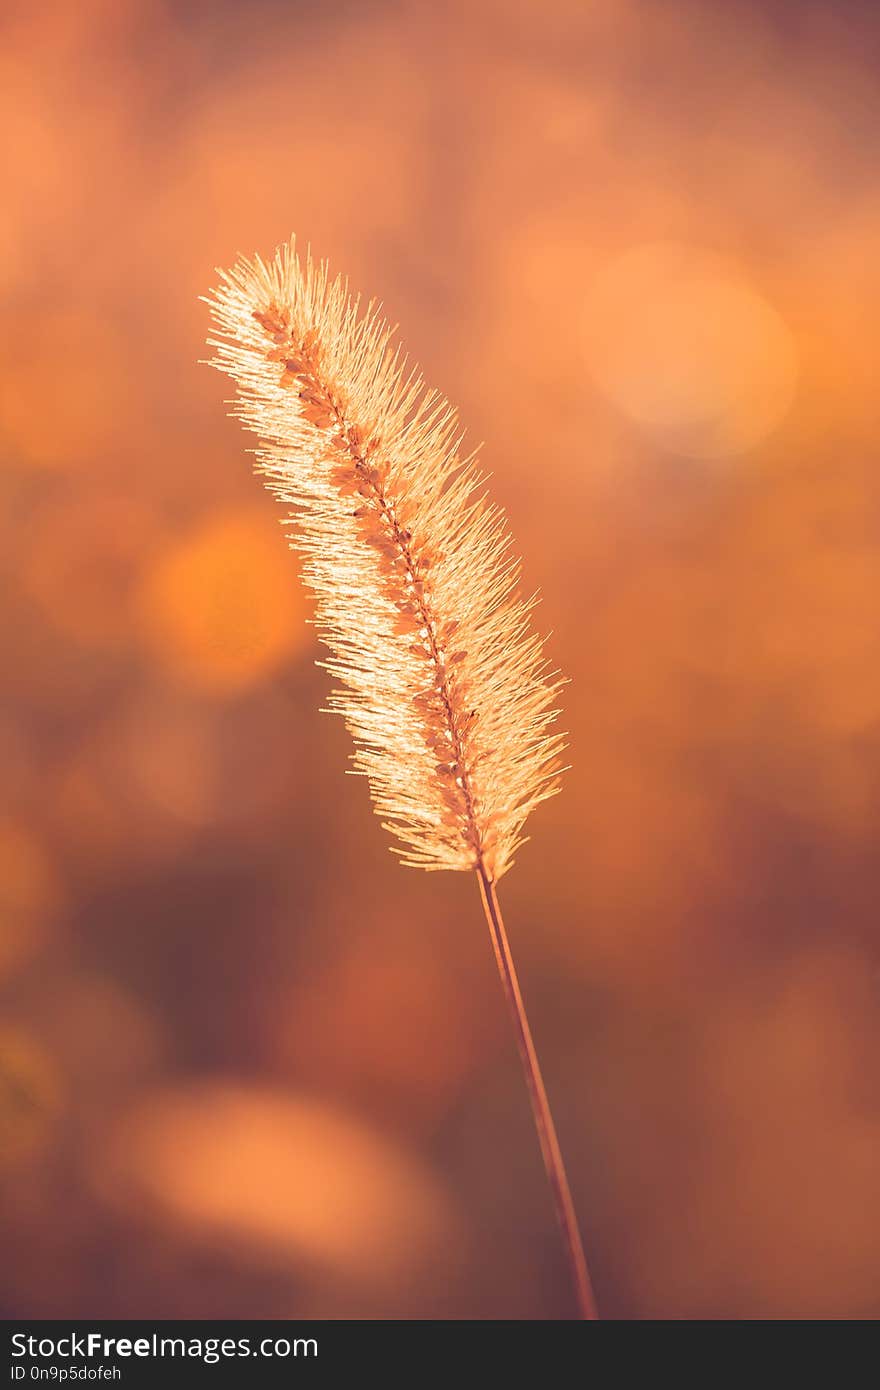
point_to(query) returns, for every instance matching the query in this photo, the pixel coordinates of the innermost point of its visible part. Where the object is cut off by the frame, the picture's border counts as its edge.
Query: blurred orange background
(248, 1065)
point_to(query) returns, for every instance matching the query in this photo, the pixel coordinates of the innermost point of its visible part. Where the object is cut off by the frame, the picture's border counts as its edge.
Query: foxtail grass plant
(441, 678)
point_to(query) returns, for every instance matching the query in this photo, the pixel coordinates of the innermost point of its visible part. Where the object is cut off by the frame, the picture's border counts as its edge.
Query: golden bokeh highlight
(222, 608)
(689, 350)
(329, 1192)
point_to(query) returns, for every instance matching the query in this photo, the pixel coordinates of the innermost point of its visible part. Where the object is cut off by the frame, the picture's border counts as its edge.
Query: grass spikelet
(442, 680)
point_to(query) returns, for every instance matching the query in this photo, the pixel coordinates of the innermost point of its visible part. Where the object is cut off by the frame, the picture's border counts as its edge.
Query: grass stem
(543, 1116)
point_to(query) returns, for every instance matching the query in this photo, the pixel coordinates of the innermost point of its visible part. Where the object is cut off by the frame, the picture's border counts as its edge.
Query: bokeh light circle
(689, 350)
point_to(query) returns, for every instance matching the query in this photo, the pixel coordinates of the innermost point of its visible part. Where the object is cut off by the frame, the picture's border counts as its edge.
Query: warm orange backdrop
(248, 1065)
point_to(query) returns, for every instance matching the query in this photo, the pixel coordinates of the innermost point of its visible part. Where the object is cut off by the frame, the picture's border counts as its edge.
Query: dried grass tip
(442, 681)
